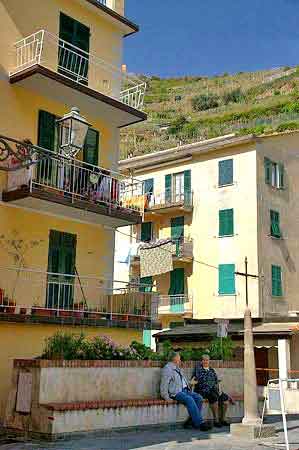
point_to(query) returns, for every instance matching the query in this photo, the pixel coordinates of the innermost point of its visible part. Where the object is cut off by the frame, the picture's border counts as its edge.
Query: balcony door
(177, 290)
(61, 264)
(177, 231)
(73, 60)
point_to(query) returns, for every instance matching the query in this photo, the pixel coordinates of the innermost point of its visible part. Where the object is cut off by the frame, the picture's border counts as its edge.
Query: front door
(261, 362)
(72, 62)
(61, 264)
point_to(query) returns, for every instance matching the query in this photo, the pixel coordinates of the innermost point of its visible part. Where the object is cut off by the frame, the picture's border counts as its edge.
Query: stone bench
(65, 418)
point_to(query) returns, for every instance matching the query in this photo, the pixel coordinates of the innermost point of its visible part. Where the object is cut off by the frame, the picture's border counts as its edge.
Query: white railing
(164, 199)
(48, 50)
(38, 293)
(175, 304)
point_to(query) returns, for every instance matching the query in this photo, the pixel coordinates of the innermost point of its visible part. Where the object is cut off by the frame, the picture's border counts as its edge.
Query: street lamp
(72, 130)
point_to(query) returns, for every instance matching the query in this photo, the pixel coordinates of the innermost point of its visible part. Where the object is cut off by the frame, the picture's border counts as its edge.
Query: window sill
(219, 186)
(276, 238)
(227, 236)
(278, 297)
(234, 294)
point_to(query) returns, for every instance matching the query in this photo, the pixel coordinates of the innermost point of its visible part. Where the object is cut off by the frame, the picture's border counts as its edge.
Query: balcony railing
(175, 304)
(72, 179)
(36, 293)
(183, 250)
(164, 199)
(48, 50)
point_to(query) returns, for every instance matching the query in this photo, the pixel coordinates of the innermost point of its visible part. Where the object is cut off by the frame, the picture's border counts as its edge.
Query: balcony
(59, 70)
(176, 305)
(36, 296)
(73, 189)
(183, 252)
(165, 202)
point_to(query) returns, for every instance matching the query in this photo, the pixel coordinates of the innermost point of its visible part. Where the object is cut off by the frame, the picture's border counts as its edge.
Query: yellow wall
(26, 341)
(202, 226)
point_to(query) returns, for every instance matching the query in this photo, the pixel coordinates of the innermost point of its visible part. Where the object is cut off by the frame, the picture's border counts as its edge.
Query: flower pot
(64, 313)
(45, 312)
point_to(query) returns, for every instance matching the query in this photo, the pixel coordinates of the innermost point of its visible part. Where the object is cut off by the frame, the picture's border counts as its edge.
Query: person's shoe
(224, 423)
(188, 424)
(217, 424)
(204, 427)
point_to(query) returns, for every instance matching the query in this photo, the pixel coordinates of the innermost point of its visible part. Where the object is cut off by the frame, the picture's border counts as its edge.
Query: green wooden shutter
(149, 186)
(146, 231)
(226, 172)
(46, 130)
(177, 288)
(276, 281)
(281, 175)
(226, 222)
(226, 279)
(147, 338)
(168, 182)
(91, 147)
(177, 231)
(71, 62)
(146, 284)
(53, 252)
(268, 170)
(187, 187)
(62, 252)
(275, 224)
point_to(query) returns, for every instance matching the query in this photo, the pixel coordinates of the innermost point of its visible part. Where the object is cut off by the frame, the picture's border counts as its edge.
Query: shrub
(177, 125)
(258, 129)
(287, 126)
(205, 101)
(64, 346)
(235, 96)
(221, 348)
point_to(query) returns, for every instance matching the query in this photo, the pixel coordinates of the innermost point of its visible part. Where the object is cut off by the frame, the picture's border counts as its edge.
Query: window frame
(222, 161)
(273, 280)
(275, 223)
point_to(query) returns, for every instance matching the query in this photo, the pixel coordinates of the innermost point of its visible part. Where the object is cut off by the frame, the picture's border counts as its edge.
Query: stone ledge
(114, 404)
(43, 363)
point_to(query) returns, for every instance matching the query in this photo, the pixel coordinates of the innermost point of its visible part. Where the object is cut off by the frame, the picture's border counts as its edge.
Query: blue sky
(206, 37)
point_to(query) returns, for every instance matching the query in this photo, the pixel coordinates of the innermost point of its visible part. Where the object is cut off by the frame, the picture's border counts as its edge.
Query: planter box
(45, 312)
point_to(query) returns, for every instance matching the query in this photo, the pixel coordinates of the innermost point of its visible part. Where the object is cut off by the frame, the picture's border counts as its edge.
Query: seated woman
(207, 385)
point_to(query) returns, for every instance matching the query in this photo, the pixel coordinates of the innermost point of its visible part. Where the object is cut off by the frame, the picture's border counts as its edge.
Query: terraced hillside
(190, 109)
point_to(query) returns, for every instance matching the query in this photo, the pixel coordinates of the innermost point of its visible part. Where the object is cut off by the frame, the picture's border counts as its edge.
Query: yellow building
(222, 200)
(61, 194)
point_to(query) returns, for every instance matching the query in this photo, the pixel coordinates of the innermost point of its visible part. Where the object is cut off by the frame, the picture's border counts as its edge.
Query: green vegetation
(190, 109)
(70, 346)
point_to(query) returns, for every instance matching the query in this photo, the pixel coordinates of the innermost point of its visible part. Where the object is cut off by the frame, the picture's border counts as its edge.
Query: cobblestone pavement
(166, 440)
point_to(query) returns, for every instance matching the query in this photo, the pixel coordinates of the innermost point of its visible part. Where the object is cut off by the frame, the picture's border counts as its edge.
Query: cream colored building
(241, 200)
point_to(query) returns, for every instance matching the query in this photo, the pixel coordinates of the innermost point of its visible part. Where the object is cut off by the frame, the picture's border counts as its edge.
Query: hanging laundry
(156, 258)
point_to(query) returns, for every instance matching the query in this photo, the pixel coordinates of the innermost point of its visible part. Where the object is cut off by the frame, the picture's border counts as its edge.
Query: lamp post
(72, 131)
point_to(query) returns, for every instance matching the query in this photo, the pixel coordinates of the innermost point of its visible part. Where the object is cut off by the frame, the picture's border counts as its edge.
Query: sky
(208, 37)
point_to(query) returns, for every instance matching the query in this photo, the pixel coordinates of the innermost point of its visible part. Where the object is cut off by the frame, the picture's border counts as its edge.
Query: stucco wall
(282, 252)
(27, 340)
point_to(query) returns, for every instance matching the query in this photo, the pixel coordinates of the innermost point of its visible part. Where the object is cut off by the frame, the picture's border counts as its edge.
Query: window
(275, 224)
(274, 173)
(146, 231)
(146, 284)
(225, 172)
(178, 187)
(71, 62)
(91, 147)
(226, 222)
(176, 290)
(177, 231)
(226, 285)
(61, 260)
(276, 281)
(149, 186)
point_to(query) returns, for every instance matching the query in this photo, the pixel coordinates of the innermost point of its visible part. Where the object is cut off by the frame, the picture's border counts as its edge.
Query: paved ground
(165, 440)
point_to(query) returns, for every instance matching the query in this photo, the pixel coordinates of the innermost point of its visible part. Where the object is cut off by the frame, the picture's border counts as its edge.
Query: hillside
(190, 109)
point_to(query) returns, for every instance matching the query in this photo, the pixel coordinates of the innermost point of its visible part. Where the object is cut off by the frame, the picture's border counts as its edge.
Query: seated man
(174, 386)
(207, 385)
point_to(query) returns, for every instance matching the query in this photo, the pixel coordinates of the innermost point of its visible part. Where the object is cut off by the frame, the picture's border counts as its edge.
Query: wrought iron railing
(175, 304)
(34, 292)
(48, 50)
(37, 168)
